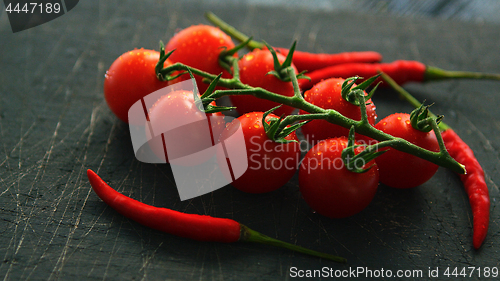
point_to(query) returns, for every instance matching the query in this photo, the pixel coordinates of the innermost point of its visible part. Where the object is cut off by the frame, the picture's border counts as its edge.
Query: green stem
(410, 99)
(295, 82)
(249, 235)
(434, 73)
(379, 145)
(224, 26)
(362, 106)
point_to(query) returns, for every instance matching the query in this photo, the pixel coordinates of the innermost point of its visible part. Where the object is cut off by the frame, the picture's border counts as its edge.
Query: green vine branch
(236, 87)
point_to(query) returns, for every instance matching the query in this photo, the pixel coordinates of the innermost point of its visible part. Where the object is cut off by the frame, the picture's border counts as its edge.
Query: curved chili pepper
(473, 181)
(474, 184)
(192, 226)
(306, 61)
(401, 71)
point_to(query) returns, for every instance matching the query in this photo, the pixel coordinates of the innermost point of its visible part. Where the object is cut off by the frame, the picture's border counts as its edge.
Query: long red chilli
(192, 226)
(302, 60)
(313, 61)
(474, 184)
(401, 71)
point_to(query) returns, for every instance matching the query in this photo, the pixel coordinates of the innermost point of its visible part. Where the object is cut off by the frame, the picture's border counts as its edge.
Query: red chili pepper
(474, 184)
(305, 61)
(473, 181)
(302, 60)
(401, 71)
(192, 226)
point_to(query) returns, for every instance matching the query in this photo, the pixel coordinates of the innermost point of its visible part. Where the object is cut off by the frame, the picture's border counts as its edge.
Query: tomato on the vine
(199, 46)
(400, 169)
(327, 94)
(254, 68)
(180, 128)
(328, 187)
(131, 77)
(270, 164)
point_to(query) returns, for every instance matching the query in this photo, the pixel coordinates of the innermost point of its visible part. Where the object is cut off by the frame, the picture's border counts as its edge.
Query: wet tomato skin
(254, 68)
(131, 77)
(270, 164)
(327, 94)
(328, 187)
(400, 169)
(199, 46)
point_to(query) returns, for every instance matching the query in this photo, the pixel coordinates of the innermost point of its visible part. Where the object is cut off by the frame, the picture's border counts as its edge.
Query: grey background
(54, 125)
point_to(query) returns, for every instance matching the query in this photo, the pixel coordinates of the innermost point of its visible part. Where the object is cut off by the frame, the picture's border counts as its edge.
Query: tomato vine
(236, 87)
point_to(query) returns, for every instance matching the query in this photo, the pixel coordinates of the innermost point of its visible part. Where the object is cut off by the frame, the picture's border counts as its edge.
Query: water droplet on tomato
(256, 126)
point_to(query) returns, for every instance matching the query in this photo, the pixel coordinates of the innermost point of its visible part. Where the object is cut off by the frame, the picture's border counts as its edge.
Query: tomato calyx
(226, 57)
(419, 118)
(281, 69)
(159, 66)
(274, 127)
(352, 95)
(204, 102)
(352, 160)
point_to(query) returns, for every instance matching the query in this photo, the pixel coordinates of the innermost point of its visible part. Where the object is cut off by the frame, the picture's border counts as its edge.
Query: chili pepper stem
(434, 73)
(252, 44)
(409, 98)
(249, 235)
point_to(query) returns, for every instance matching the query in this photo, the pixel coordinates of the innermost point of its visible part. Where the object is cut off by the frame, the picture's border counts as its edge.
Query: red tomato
(399, 169)
(199, 46)
(131, 77)
(270, 164)
(327, 94)
(186, 130)
(328, 187)
(254, 67)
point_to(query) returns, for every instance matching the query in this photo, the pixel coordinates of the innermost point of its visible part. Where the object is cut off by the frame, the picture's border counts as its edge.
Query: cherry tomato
(399, 169)
(270, 164)
(131, 77)
(327, 94)
(254, 67)
(182, 129)
(328, 187)
(199, 46)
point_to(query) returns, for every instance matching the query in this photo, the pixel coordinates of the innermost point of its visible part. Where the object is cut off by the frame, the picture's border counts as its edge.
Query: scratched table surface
(55, 124)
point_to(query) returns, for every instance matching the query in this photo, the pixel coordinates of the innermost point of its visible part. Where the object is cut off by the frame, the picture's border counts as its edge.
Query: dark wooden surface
(54, 125)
